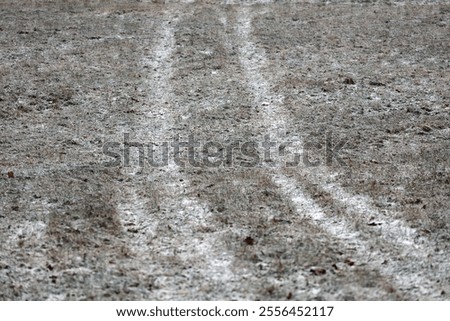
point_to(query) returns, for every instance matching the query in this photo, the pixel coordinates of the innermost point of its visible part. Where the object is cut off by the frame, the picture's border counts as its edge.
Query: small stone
(318, 271)
(349, 81)
(249, 240)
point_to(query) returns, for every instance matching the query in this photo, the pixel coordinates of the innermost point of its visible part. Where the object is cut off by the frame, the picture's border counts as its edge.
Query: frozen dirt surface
(371, 223)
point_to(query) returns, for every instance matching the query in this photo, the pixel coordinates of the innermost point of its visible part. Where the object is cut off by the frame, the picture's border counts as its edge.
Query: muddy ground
(358, 90)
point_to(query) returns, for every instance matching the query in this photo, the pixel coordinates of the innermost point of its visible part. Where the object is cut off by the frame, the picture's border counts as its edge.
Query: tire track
(275, 122)
(201, 252)
(74, 231)
(245, 202)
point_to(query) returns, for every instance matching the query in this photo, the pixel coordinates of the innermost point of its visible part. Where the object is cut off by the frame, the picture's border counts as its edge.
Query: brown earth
(370, 223)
